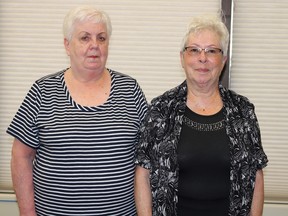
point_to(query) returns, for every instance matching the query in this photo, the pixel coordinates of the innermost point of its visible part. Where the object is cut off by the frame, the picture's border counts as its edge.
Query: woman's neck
(88, 92)
(204, 101)
(87, 76)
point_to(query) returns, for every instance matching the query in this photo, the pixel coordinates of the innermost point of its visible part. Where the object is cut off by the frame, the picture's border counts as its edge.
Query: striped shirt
(84, 162)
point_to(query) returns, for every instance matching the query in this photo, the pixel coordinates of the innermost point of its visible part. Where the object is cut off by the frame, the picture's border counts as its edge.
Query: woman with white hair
(76, 130)
(200, 149)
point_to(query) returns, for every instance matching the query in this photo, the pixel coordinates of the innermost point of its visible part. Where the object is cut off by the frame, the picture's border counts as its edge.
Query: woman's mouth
(202, 70)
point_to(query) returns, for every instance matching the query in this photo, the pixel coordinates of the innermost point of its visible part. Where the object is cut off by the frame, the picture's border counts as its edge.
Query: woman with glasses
(200, 150)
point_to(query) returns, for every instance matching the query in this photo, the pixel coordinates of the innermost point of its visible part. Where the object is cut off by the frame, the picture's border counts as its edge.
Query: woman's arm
(22, 177)
(258, 195)
(143, 197)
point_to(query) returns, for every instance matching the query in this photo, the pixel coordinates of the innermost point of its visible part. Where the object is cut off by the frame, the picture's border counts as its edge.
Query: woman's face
(88, 47)
(203, 69)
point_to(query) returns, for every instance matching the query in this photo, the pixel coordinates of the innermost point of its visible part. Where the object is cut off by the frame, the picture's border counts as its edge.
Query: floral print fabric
(159, 136)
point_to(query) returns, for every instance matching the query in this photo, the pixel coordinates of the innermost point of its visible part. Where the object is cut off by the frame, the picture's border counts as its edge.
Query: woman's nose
(202, 56)
(94, 42)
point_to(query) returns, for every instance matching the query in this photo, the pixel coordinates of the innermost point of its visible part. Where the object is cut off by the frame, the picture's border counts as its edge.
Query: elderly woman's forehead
(88, 23)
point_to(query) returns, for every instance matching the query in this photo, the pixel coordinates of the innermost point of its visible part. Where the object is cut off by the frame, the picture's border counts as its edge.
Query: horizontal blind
(145, 44)
(260, 71)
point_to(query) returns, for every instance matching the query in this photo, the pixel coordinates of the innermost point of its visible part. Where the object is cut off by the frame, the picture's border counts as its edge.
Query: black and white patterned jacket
(159, 136)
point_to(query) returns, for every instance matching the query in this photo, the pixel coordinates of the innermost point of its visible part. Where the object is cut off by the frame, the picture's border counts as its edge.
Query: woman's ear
(224, 59)
(182, 58)
(66, 45)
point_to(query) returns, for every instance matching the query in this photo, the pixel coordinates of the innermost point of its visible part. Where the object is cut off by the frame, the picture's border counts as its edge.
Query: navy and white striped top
(84, 162)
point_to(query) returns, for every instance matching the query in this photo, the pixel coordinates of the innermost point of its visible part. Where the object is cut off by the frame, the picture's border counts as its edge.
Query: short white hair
(208, 22)
(84, 13)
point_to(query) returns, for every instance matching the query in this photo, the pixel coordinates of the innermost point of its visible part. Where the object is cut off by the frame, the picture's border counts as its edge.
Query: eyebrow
(197, 45)
(85, 32)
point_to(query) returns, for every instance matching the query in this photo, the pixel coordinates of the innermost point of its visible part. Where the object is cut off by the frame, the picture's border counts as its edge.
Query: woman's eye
(194, 50)
(85, 38)
(102, 39)
(212, 51)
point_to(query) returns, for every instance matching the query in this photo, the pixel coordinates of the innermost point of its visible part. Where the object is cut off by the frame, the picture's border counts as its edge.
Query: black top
(204, 166)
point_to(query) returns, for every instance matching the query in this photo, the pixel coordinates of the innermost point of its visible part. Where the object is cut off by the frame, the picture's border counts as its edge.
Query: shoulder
(121, 77)
(237, 104)
(124, 86)
(51, 78)
(170, 103)
(46, 83)
(172, 96)
(234, 99)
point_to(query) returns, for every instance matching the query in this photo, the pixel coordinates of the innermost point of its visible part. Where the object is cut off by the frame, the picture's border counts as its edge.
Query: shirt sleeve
(140, 101)
(23, 126)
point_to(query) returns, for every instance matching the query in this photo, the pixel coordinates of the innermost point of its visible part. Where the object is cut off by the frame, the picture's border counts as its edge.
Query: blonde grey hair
(82, 14)
(208, 22)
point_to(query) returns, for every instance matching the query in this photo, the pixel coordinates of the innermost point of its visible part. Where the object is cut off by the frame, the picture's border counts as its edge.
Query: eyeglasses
(209, 51)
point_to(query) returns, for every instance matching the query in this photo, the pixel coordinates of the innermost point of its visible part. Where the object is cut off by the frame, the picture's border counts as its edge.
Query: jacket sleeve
(260, 158)
(150, 133)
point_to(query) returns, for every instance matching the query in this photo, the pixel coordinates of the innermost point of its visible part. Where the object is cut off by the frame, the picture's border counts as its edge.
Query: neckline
(82, 107)
(219, 116)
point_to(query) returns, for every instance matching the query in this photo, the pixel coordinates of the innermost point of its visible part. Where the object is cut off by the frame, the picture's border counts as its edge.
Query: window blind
(259, 71)
(145, 44)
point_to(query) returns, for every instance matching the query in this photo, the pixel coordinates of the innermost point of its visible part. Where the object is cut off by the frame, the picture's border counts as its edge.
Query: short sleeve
(140, 101)
(23, 126)
(144, 151)
(260, 158)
